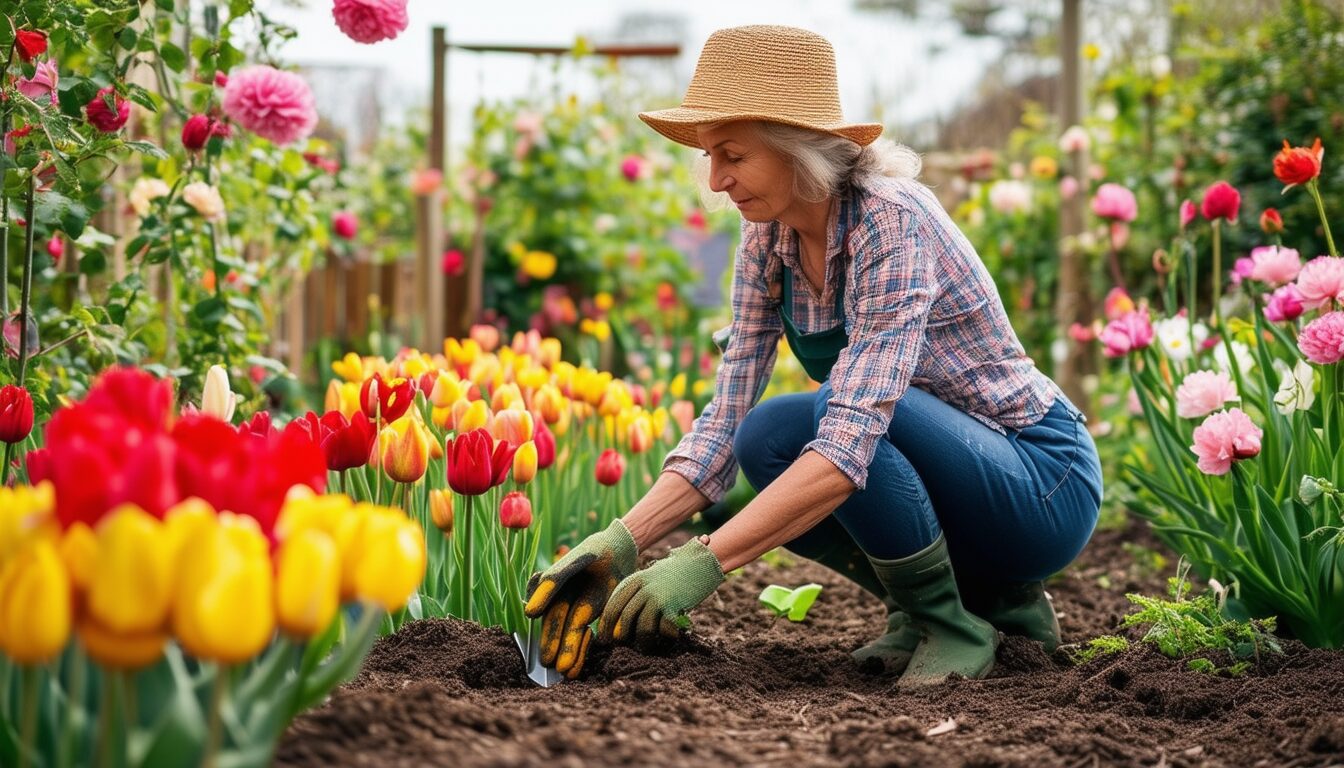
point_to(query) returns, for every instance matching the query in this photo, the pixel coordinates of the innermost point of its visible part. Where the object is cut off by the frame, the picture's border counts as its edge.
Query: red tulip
(1221, 201)
(394, 397)
(470, 462)
(347, 444)
(610, 467)
(545, 440)
(107, 111)
(16, 414)
(258, 426)
(1271, 222)
(30, 44)
(515, 511)
(1298, 165)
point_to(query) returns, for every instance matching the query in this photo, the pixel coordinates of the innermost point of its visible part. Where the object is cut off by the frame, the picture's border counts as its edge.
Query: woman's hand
(572, 592)
(648, 604)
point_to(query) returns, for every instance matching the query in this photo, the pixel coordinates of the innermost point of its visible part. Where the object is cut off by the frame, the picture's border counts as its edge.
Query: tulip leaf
(178, 733)
(342, 665)
(793, 603)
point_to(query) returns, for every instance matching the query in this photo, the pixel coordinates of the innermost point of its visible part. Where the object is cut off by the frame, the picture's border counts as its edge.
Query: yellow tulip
(550, 352)
(677, 389)
(223, 603)
(416, 365)
(25, 512)
(133, 572)
(382, 556)
(659, 421)
(448, 388)
(307, 583)
(525, 463)
(404, 450)
(350, 368)
(461, 352)
(474, 416)
(442, 417)
(441, 509)
(35, 609)
(79, 551)
(533, 377)
(640, 433)
(506, 396)
(564, 375)
(549, 401)
(120, 650)
(539, 265)
(561, 425)
(701, 387)
(485, 372)
(343, 397)
(603, 301)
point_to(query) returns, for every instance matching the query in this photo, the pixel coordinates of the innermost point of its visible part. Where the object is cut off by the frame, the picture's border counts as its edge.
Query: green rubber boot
(889, 653)
(952, 640)
(1015, 608)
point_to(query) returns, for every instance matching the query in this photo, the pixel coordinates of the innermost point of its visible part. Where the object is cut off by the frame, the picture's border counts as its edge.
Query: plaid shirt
(919, 308)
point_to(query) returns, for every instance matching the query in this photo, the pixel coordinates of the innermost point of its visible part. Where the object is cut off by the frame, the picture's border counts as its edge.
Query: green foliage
(1105, 645)
(793, 603)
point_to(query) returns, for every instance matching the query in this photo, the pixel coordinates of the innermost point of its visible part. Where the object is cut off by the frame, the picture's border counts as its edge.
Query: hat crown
(767, 69)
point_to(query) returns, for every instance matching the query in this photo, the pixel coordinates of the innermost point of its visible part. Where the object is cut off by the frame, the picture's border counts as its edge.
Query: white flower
(1010, 196)
(1074, 139)
(1296, 391)
(144, 191)
(205, 199)
(604, 223)
(218, 400)
(1245, 360)
(1175, 336)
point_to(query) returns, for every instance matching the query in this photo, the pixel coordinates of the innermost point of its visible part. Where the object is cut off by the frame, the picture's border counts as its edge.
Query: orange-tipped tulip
(404, 450)
(441, 509)
(512, 425)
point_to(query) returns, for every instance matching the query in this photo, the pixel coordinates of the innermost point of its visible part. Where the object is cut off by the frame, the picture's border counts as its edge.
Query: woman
(933, 438)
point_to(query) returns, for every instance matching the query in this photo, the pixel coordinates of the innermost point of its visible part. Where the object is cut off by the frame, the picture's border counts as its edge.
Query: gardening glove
(572, 592)
(650, 604)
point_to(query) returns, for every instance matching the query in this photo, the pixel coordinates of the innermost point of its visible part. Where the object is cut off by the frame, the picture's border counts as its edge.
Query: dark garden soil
(744, 691)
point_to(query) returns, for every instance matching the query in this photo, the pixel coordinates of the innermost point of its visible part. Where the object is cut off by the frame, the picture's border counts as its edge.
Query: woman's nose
(719, 179)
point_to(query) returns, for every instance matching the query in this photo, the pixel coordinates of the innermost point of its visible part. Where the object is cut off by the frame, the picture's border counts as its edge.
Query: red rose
(30, 44)
(107, 111)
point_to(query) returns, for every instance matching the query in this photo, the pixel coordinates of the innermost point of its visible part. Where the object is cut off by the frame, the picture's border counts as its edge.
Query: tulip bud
(404, 449)
(307, 583)
(515, 511)
(223, 603)
(133, 572)
(387, 558)
(475, 415)
(525, 463)
(1221, 201)
(441, 509)
(1271, 222)
(218, 400)
(195, 132)
(640, 434)
(16, 414)
(545, 444)
(512, 425)
(35, 608)
(610, 467)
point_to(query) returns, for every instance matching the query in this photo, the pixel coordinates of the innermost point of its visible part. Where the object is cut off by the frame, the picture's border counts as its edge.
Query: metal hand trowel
(536, 671)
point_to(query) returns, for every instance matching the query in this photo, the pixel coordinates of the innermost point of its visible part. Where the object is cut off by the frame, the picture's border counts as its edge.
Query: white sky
(906, 70)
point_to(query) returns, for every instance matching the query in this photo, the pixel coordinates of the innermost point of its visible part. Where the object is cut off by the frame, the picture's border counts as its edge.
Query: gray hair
(823, 163)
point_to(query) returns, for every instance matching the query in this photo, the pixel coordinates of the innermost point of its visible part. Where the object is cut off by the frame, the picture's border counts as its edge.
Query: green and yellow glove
(649, 604)
(573, 591)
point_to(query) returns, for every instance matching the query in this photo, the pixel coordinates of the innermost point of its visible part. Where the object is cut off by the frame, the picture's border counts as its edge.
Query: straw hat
(777, 74)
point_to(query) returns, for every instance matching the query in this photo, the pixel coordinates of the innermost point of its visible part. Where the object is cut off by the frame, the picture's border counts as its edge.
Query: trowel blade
(536, 671)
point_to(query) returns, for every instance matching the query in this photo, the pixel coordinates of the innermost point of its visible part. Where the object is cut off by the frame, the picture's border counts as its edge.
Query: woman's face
(758, 179)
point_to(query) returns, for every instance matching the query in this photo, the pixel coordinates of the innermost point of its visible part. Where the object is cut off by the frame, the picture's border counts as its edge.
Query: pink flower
(1115, 202)
(633, 167)
(1128, 333)
(108, 119)
(1241, 269)
(1225, 437)
(1285, 303)
(368, 21)
(425, 181)
(1187, 213)
(696, 220)
(1275, 265)
(273, 104)
(344, 224)
(41, 87)
(1321, 281)
(453, 262)
(1068, 187)
(1322, 341)
(1204, 392)
(1117, 304)
(1082, 334)
(56, 247)
(1221, 201)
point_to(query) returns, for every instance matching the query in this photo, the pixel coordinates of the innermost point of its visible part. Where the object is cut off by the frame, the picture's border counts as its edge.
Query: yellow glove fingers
(581, 657)
(576, 626)
(552, 580)
(552, 630)
(539, 592)
(625, 625)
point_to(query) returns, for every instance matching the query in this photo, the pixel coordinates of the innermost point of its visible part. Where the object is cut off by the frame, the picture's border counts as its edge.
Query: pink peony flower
(344, 224)
(1187, 213)
(273, 104)
(368, 21)
(1225, 437)
(1275, 265)
(1204, 392)
(1128, 333)
(108, 119)
(1322, 341)
(1285, 303)
(1221, 201)
(41, 87)
(1241, 269)
(1115, 202)
(1321, 281)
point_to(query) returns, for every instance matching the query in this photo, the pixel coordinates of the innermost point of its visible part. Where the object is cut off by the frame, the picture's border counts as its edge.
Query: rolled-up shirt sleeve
(705, 454)
(894, 287)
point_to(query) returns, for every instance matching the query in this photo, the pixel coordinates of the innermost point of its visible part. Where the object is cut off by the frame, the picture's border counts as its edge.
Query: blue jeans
(1015, 507)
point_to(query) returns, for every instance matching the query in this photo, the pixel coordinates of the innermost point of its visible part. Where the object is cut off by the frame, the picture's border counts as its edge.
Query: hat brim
(679, 124)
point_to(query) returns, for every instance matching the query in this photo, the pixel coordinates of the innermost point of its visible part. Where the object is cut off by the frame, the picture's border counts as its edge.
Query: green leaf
(209, 311)
(92, 262)
(791, 602)
(54, 208)
(126, 38)
(173, 57)
(147, 148)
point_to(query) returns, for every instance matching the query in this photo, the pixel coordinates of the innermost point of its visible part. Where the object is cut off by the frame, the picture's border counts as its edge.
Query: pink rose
(368, 21)
(1204, 392)
(1322, 341)
(344, 224)
(1115, 202)
(271, 103)
(1285, 303)
(108, 119)
(1128, 333)
(1225, 437)
(41, 87)
(1321, 281)
(1275, 265)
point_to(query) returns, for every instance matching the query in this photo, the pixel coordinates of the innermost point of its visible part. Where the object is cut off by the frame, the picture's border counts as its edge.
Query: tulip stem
(1314, 188)
(1217, 270)
(216, 722)
(78, 671)
(28, 726)
(4, 474)
(466, 557)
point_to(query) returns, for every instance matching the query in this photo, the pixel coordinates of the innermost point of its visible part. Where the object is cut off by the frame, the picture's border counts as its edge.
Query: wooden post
(439, 307)
(1073, 303)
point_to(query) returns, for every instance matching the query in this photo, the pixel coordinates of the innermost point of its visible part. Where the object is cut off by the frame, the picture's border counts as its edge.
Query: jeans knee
(751, 448)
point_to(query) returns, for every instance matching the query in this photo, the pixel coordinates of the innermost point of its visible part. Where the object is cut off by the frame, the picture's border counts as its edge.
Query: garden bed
(744, 691)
